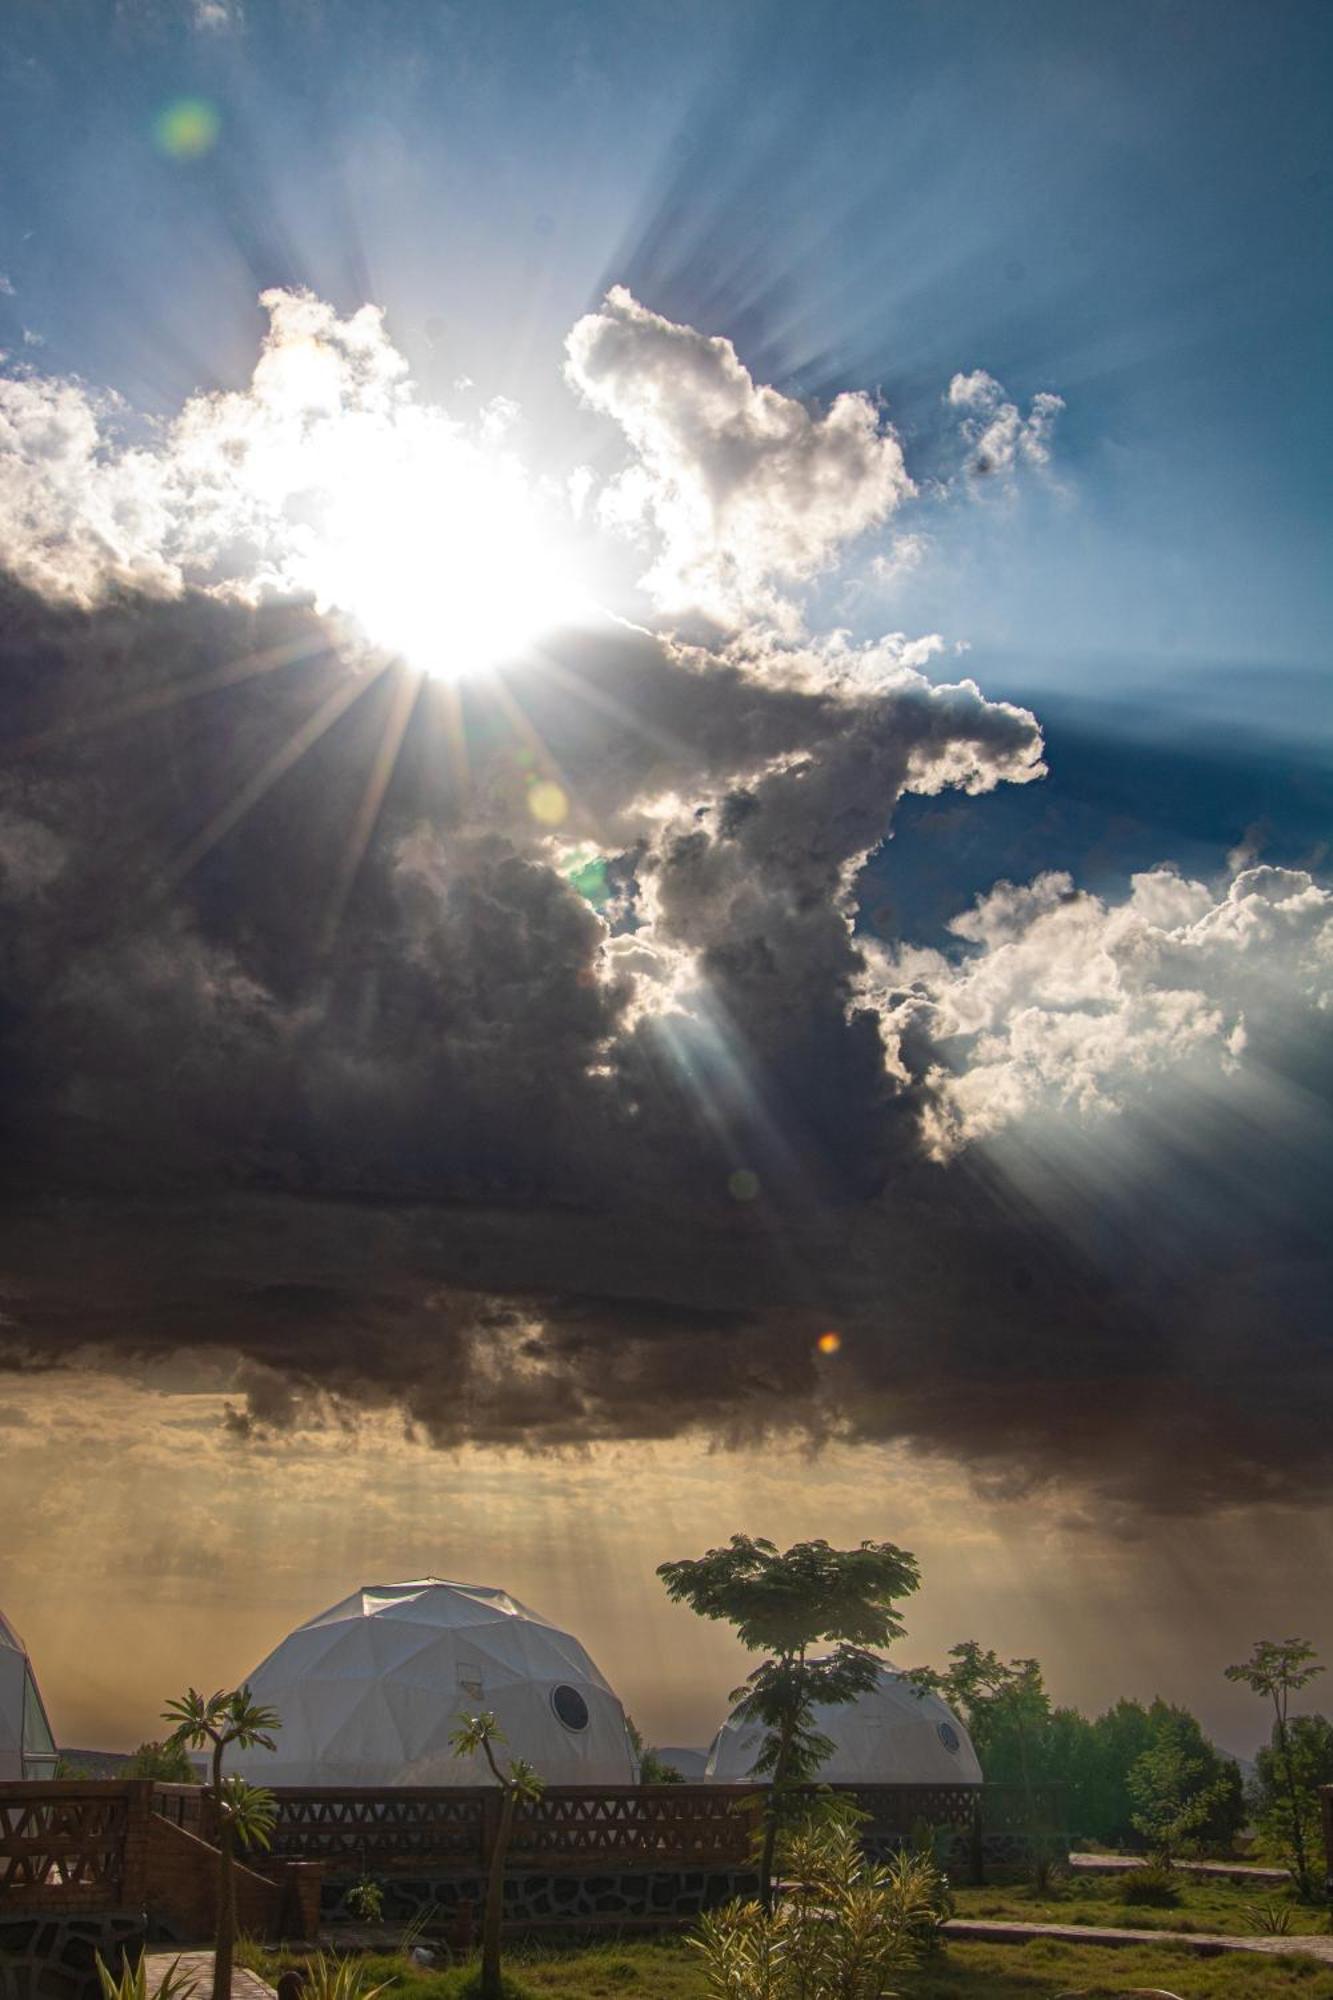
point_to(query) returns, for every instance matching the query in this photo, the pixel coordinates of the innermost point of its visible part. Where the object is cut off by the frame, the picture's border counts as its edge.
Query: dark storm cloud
(411, 1135)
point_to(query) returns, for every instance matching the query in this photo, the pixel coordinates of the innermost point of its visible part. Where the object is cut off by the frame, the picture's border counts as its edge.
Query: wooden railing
(65, 1844)
(88, 1845)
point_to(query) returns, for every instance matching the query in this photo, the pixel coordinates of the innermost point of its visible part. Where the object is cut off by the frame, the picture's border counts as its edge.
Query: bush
(844, 1931)
(1152, 1888)
(365, 1900)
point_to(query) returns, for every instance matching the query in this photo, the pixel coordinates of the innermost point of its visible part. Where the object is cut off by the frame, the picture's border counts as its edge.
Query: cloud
(1067, 1001)
(736, 489)
(511, 1055)
(998, 437)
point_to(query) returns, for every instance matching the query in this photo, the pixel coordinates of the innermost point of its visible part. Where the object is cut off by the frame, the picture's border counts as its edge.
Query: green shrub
(1152, 1888)
(365, 1900)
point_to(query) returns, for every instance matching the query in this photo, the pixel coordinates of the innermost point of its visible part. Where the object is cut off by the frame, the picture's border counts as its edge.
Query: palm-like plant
(131, 1983)
(519, 1781)
(244, 1812)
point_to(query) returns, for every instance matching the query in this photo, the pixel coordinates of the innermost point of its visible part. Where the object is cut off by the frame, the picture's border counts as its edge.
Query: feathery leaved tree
(786, 1603)
(1277, 1669)
(245, 1812)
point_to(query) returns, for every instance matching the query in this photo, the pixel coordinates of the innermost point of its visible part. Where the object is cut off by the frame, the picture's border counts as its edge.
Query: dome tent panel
(894, 1734)
(27, 1747)
(370, 1691)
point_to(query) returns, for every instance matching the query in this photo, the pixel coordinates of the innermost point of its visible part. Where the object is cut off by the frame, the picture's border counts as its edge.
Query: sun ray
(372, 799)
(93, 722)
(267, 776)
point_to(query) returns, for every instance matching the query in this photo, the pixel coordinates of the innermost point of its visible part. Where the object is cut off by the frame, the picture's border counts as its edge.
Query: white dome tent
(370, 1692)
(894, 1734)
(27, 1748)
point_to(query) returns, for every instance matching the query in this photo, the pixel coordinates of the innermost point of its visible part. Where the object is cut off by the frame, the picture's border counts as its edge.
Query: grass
(664, 1968)
(1203, 1905)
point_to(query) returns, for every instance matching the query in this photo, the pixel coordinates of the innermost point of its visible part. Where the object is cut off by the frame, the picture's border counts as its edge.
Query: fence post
(134, 1853)
(1326, 1806)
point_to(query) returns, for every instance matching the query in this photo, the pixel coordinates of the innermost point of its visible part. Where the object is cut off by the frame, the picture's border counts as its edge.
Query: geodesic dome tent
(370, 1692)
(27, 1748)
(894, 1734)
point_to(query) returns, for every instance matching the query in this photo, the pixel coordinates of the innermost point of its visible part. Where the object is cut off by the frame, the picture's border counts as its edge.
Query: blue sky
(1122, 205)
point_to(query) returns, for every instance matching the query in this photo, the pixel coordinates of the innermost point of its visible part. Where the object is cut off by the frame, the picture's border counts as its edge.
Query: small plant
(131, 1983)
(330, 1978)
(1272, 1918)
(1152, 1888)
(519, 1784)
(365, 1900)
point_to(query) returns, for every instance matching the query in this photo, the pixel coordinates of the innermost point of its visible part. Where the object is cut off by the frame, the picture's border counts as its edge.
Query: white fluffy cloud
(327, 475)
(736, 488)
(998, 436)
(1067, 1000)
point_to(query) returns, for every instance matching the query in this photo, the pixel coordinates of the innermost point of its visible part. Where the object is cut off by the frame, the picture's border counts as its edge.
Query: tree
(652, 1770)
(1277, 1669)
(1172, 1796)
(785, 1604)
(518, 1782)
(167, 1762)
(244, 1812)
(1309, 1757)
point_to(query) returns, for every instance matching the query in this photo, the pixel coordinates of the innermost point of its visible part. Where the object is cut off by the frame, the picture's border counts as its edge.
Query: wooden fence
(89, 1845)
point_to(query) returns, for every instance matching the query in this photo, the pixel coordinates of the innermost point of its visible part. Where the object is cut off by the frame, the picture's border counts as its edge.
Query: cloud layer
(513, 1053)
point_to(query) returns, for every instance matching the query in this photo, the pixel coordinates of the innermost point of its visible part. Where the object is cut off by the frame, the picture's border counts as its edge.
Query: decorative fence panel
(63, 1845)
(673, 1826)
(378, 1829)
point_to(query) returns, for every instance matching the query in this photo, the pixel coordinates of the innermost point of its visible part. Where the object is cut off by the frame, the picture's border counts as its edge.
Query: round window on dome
(570, 1707)
(948, 1736)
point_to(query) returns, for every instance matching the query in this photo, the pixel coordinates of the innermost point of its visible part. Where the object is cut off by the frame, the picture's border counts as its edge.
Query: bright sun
(430, 534)
(443, 558)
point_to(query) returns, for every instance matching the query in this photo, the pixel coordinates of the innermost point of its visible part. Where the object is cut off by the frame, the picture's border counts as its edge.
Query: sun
(447, 561)
(426, 530)
(440, 552)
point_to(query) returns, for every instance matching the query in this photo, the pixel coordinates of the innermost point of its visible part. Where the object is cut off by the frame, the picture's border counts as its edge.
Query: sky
(663, 693)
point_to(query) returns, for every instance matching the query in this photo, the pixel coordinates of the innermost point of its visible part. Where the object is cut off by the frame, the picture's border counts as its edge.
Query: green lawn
(664, 1968)
(1094, 1899)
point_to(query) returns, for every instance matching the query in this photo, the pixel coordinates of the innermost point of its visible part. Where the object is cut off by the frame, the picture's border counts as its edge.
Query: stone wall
(609, 1896)
(44, 1956)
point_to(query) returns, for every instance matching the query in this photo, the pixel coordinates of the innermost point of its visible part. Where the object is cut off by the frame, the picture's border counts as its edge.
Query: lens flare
(187, 128)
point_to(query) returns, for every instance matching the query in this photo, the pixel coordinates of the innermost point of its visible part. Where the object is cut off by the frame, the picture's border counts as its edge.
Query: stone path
(1205, 1945)
(1216, 1871)
(198, 1966)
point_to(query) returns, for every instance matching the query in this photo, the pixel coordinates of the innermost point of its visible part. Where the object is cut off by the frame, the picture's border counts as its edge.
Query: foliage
(651, 1769)
(67, 1768)
(326, 1977)
(131, 1983)
(365, 1900)
(845, 1929)
(167, 1762)
(1154, 1886)
(249, 1810)
(517, 1782)
(1310, 1754)
(1271, 1918)
(785, 1603)
(1277, 1669)
(214, 1722)
(1172, 1797)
